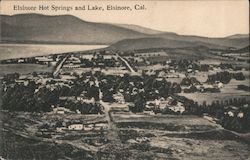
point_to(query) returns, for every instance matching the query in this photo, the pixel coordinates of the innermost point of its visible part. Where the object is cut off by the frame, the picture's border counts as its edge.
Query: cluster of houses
(163, 105)
(50, 60)
(91, 61)
(82, 127)
(67, 125)
(150, 54)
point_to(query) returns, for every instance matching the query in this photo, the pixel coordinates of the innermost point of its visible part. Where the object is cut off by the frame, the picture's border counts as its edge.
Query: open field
(210, 97)
(178, 137)
(228, 91)
(30, 134)
(9, 51)
(121, 117)
(231, 87)
(107, 70)
(165, 123)
(24, 68)
(139, 136)
(216, 60)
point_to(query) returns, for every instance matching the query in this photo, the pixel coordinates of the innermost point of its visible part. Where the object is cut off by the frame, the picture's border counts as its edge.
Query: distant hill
(61, 29)
(140, 29)
(144, 43)
(239, 36)
(241, 50)
(238, 42)
(244, 50)
(67, 29)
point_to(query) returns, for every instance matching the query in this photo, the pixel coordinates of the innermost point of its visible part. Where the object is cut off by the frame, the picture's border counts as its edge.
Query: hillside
(140, 29)
(147, 43)
(67, 29)
(241, 50)
(239, 36)
(238, 42)
(235, 41)
(244, 50)
(61, 29)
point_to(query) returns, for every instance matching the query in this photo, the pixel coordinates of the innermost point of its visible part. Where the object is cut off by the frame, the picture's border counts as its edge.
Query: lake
(9, 51)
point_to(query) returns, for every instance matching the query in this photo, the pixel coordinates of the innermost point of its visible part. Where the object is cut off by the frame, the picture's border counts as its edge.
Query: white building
(77, 127)
(151, 54)
(71, 65)
(20, 60)
(60, 129)
(61, 110)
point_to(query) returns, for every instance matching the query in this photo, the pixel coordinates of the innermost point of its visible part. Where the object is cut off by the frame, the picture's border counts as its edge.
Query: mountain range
(67, 29)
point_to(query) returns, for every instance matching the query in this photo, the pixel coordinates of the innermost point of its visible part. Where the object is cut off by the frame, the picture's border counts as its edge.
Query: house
(159, 103)
(230, 114)
(20, 60)
(179, 108)
(162, 74)
(169, 61)
(172, 71)
(240, 115)
(99, 126)
(73, 60)
(189, 70)
(119, 98)
(67, 77)
(71, 65)
(44, 60)
(61, 110)
(76, 127)
(151, 54)
(169, 100)
(218, 84)
(60, 129)
(88, 127)
(20, 81)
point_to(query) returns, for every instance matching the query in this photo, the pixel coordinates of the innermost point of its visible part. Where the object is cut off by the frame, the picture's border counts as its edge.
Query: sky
(208, 18)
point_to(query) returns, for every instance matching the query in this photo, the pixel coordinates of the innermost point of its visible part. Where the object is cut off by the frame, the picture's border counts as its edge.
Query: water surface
(9, 51)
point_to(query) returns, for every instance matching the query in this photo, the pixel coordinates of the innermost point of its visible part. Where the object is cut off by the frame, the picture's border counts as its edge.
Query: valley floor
(124, 136)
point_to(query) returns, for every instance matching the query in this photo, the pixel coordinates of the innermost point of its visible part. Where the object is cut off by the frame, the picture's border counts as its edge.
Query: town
(95, 99)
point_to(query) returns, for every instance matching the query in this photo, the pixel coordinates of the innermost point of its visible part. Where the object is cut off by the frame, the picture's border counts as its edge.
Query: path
(59, 66)
(127, 64)
(112, 130)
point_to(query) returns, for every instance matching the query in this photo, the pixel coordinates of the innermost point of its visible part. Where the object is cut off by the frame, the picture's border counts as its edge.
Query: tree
(108, 96)
(10, 78)
(239, 76)
(139, 104)
(93, 92)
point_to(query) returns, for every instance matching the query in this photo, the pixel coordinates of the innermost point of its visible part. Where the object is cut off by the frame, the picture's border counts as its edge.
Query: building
(21, 60)
(218, 84)
(71, 65)
(22, 81)
(44, 60)
(100, 126)
(61, 110)
(119, 98)
(179, 108)
(76, 127)
(74, 60)
(60, 129)
(151, 54)
(88, 127)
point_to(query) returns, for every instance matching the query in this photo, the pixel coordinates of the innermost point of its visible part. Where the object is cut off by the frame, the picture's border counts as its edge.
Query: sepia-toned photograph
(124, 80)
